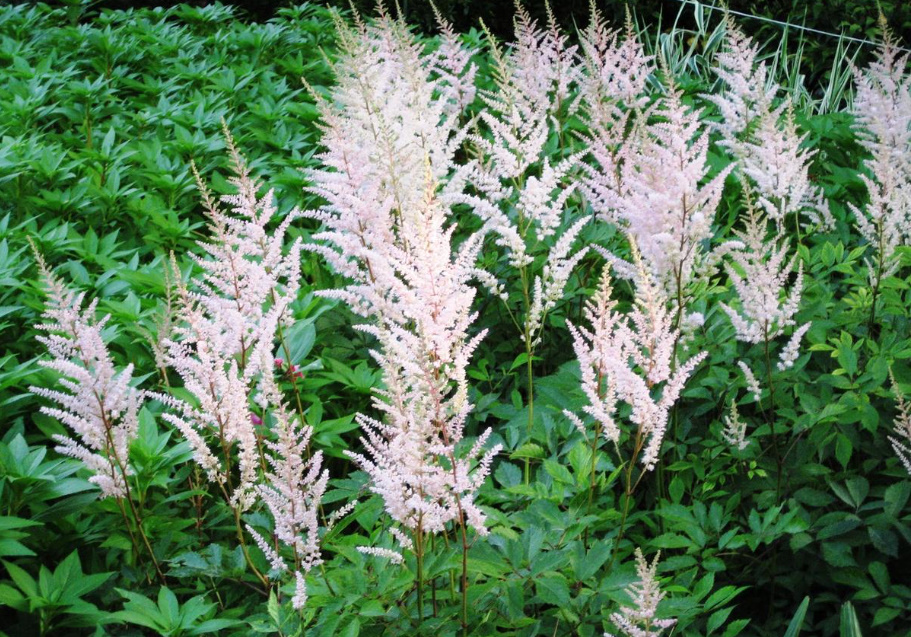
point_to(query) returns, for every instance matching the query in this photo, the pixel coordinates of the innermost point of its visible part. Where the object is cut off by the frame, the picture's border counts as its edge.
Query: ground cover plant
(319, 326)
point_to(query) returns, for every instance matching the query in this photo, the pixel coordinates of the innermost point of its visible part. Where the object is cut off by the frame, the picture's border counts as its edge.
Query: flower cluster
(639, 620)
(765, 140)
(223, 338)
(628, 358)
(760, 273)
(390, 134)
(655, 188)
(735, 430)
(613, 89)
(292, 490)
(97, 401)
(521, 194)
(901, 441)
(544, 69)
(748, 90)
(882, 107)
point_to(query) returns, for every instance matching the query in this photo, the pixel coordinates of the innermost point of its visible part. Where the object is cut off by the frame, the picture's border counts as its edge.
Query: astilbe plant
(613, 91)
(544, 67)
(764, 139)
(760, 272)
(663, 201)
(522, 193)
(224, 334)
(516, 189)
(390, 132)
(640, 619)
(747, 89)
(629, 359)
(882, 109)
(735, 430)
(901, 440)
(98, 402)
(292, 490)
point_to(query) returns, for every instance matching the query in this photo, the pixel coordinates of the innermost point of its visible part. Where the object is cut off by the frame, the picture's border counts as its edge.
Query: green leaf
(896, 497)
(14, 548)
(858, 487)
(553, 589)
(23, 580)
(884, 615)
(736, 627)
(528, 450)
(520, 360)
(299, 338)
(717, 619)
(843, 449)
(849, 626)
(797, 621)
(558, 472)
(352, 628)
(838, 554)
(884, 540)
(676, 490)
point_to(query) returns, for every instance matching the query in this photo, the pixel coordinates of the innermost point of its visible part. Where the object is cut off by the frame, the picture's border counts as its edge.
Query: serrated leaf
(558, 472)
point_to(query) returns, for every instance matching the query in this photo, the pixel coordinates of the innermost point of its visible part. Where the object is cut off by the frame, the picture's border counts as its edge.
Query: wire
(787, 25)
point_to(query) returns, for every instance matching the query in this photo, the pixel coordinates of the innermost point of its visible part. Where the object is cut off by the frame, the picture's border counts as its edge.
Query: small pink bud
(279, 362)
(256, 420)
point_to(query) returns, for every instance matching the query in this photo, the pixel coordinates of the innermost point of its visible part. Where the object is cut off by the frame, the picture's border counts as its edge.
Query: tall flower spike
(544, 66)
(521, 194)
(227, 320)
(628, 358)
(882, 108)
(390, 136)
(97, 401)
(616, 69)
(613, 89)
(748, 91)
(749, 378)
(662, 201)
(776, 161)
(639, 620)
(601, 355)
(901, 441)
(764, 140)
(735, 429)
(453, 69)
(760, 274)
(293, 490)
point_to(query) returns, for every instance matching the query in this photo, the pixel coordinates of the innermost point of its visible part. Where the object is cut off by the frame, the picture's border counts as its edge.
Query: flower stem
(419, 555)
